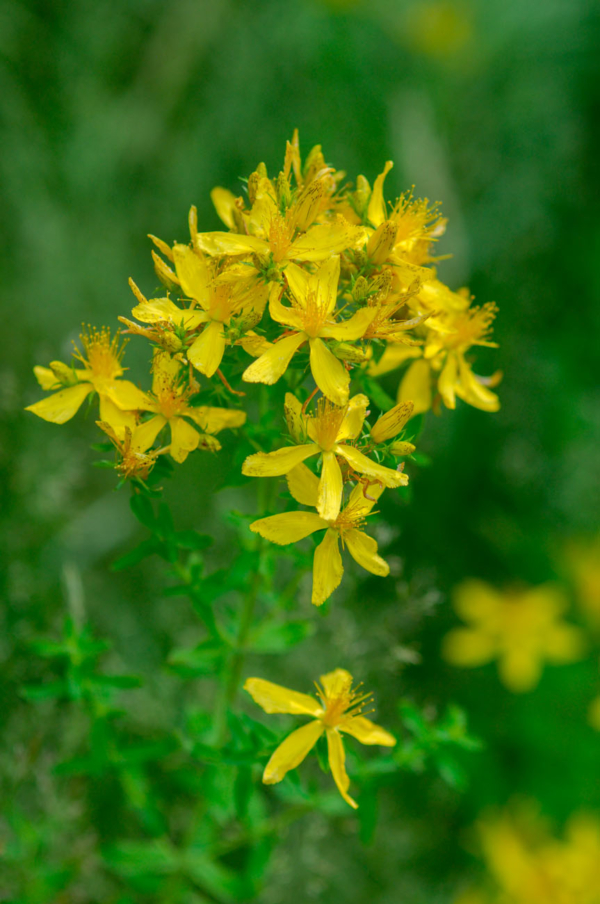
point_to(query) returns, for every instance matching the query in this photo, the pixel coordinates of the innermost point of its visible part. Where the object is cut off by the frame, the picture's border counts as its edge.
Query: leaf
(192, 539)
(143, 510)
(53, 689)
(276, 637)
(146, 548)
(378, 395)
(242, 790)
(123, 682)
(191, 662)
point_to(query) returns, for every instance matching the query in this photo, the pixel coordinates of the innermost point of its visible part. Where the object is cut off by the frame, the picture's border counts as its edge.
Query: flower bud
(62, 372)
(284, 195)
(167, 277)
(402, 448)
(361, 289)
(345, 351)
(361, 195)
(391, 423)
(308, 204)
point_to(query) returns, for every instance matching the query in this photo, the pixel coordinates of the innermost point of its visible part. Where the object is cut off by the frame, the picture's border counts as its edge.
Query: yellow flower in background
(521, 629)
(101, 372)
(583, 562)
(291, 527)
(526, 864)
(329, 431)
(338, 710)
(169, 402)
(311, 318)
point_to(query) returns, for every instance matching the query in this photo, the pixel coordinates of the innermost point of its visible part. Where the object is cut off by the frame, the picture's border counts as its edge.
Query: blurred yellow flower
(522, 629)
(583, 561)
(526, 865)
(338, 709)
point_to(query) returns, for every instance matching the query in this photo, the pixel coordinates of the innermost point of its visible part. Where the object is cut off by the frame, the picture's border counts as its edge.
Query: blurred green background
(115, 117)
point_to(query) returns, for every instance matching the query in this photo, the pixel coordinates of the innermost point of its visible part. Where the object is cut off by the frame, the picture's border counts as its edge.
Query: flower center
(102, 355)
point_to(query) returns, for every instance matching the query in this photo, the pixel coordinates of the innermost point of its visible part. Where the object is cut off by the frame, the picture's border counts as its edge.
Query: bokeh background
(115, 117)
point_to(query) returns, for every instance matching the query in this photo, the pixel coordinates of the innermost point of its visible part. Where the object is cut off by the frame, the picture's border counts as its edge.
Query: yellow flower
(311, 319)
(392, 422)
(527, 865)
(170, 403)
(329, 430)
(583, 561)
(521, 629)
(134, 459)
(290, 527)
(338, 710)
(101, 370)
(218, 303)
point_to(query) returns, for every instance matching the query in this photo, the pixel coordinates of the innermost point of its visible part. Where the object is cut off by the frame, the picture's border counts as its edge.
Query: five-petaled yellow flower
(170, 404)
(521, 629)
(330, 430)
(101, 373)
(290, 527)
(311, 318)
(338, 710)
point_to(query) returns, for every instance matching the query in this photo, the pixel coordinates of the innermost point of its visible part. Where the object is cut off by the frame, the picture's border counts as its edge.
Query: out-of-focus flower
(583, 561)
(338, 710)
(522, 629)
(526, 865)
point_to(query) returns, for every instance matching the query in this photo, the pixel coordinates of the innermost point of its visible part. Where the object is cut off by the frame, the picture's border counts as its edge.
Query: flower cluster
(316, 285)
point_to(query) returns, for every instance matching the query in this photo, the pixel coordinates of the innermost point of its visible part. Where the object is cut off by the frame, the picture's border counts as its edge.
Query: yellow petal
(336, 683)
(468, 648)
(324, 284)
(296, 421)
(184, 438)
(353, 328)
(337, 762)
(329, 374)
(145, 434)
(230, 243)
(292, 751)
(367, 732)
(362, 499)
(126, 395)
(416, 386)
(298, 281)
(520, 670)
(376, 210)
(115, 416)
(303, 485)
(280, 314)
(193, 274)
(364, 465)
(206, 352)
(45, 377)
(363, 550)
(473, 392)
(254, 344)
(273, 363)
(321, 242)
(392, 422)
(393, 357)
(354, 418)
(213, 420)
(447, 381)
(564, 643)
(224, 202)
(289, 527)
(331, 486)
(327, 568)
(476, 601)
(274, 698)
(61, 406)
(274, 464)
(163, 309)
